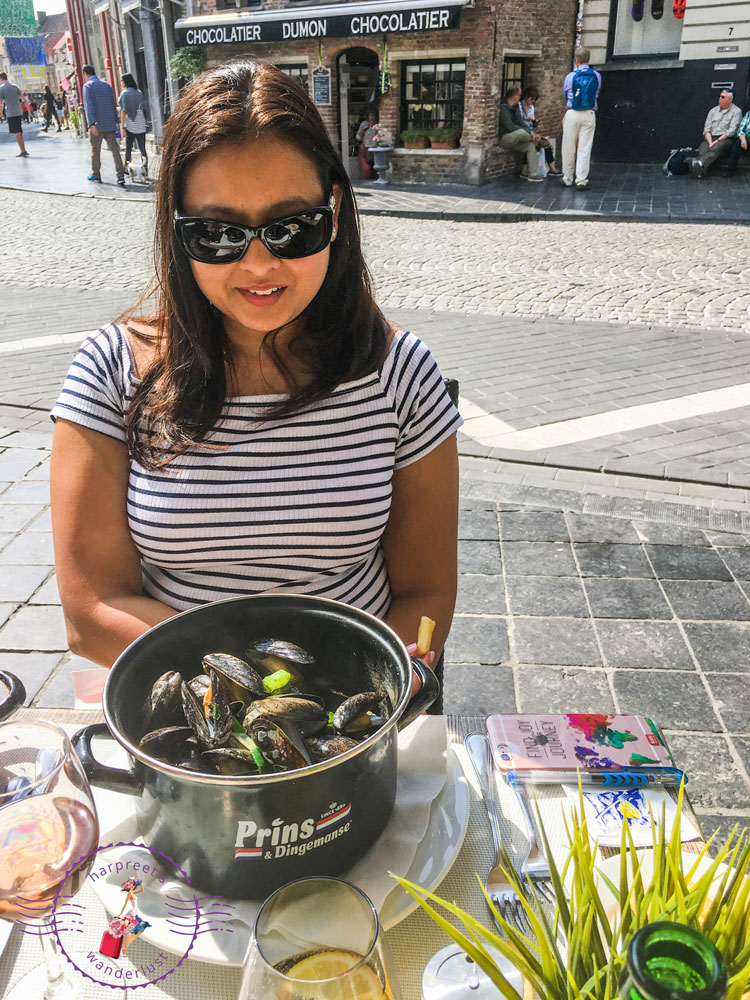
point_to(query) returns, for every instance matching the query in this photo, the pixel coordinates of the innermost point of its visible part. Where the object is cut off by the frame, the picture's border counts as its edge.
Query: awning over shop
(336, 20)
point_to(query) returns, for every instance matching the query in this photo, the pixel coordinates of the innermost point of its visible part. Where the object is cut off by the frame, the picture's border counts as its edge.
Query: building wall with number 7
(663, 64)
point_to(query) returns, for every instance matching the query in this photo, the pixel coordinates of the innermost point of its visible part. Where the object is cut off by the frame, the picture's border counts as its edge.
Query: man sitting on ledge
(515, 133)
(719, 131)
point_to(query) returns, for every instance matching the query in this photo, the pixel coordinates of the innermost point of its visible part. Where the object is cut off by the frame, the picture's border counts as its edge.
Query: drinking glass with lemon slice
(318, 939)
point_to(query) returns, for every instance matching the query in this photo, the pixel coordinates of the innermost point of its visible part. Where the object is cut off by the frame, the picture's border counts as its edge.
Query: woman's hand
(428, 659)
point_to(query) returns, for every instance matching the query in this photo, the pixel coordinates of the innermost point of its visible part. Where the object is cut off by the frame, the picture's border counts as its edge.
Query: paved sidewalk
(59, 164)
(556, 399)
(621, 191)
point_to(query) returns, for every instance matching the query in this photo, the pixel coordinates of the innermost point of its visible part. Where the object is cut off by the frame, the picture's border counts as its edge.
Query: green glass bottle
(668, 961)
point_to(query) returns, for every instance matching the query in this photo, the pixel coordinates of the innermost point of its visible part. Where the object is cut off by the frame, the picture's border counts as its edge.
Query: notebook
(572, 742)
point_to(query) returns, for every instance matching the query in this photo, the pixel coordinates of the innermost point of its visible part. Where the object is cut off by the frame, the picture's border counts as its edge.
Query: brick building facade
(447, 64)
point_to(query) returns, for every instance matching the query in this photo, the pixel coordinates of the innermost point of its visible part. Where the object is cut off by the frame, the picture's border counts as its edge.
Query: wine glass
(49, 832)
(318, 939)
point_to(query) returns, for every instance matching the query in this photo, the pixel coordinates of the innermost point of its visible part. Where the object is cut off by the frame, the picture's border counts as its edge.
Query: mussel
(275, 745)
(352, 715)
(167, 736)
(271, 655)
(174, 745)
(280, 649)
(242, 682)
(199, 684)
(231, 760)
(210, 718)
(297, 708)
(164, 703)
(326, 747)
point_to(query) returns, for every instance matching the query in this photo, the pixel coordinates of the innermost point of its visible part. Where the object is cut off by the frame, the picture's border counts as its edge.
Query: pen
(611, 779)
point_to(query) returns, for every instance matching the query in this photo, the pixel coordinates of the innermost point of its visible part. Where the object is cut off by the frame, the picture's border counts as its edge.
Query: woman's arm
(97, 563)
(420, 544)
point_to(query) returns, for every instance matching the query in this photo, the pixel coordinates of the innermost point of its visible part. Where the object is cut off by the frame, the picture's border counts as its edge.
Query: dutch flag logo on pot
(282, 839)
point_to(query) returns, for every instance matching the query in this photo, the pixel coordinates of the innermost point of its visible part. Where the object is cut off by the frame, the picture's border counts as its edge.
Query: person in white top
(265, 428)
(133, 119)
(529, 97)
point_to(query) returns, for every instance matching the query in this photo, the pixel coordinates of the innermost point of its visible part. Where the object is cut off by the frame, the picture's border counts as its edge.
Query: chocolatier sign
(276, 26)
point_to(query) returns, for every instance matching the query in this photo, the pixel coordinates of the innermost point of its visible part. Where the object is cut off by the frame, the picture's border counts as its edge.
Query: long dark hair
(129, 80)
(340, 336)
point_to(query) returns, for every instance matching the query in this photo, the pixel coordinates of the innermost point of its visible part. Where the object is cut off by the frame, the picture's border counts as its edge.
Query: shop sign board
(322, 85)
(247, 29)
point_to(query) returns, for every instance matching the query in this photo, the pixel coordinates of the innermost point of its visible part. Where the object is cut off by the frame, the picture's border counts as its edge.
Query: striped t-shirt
(296, 503)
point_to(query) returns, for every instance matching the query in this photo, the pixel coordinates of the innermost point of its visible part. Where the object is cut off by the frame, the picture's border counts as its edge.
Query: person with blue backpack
(580, 93)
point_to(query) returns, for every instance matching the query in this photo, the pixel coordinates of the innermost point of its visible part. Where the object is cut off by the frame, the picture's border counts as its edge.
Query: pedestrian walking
(26, 108)
(49, 107)
(11, 98)
(580, 93)
(133, 119)
(62, 107)
(101, 115)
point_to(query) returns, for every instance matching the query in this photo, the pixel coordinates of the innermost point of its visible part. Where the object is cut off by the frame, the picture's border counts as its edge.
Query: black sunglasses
(210, 241)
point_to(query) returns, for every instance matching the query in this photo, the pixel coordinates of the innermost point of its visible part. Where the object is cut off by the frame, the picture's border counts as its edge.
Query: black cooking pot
(16, 694)
(244, 836)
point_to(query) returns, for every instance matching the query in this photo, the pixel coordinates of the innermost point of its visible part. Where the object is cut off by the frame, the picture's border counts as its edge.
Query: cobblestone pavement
(538, 337)
(683, 275)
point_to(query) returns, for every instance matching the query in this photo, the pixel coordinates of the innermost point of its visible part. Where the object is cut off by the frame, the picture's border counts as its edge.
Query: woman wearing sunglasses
(266, 428)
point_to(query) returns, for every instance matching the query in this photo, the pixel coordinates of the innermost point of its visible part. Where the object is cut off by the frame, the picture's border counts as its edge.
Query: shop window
(297, 71)
(515, 70)
(432, 94)
(649, 36)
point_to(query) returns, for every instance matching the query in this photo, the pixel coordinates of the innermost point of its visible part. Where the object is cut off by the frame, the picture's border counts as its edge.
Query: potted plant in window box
(381, 145)
(444, 138)
(415, 138)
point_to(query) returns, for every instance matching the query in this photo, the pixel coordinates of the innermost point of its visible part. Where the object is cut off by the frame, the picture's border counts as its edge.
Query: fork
(497, 884)
(536, 867)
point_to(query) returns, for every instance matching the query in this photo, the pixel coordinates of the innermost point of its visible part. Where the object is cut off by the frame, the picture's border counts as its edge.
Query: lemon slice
(361, 984)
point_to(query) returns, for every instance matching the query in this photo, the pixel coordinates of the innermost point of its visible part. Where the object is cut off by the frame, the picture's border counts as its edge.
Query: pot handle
(427, 693)
(115, 779)
(16, 694)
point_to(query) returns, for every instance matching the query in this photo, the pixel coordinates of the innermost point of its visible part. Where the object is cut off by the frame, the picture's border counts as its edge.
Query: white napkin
(422, 772)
